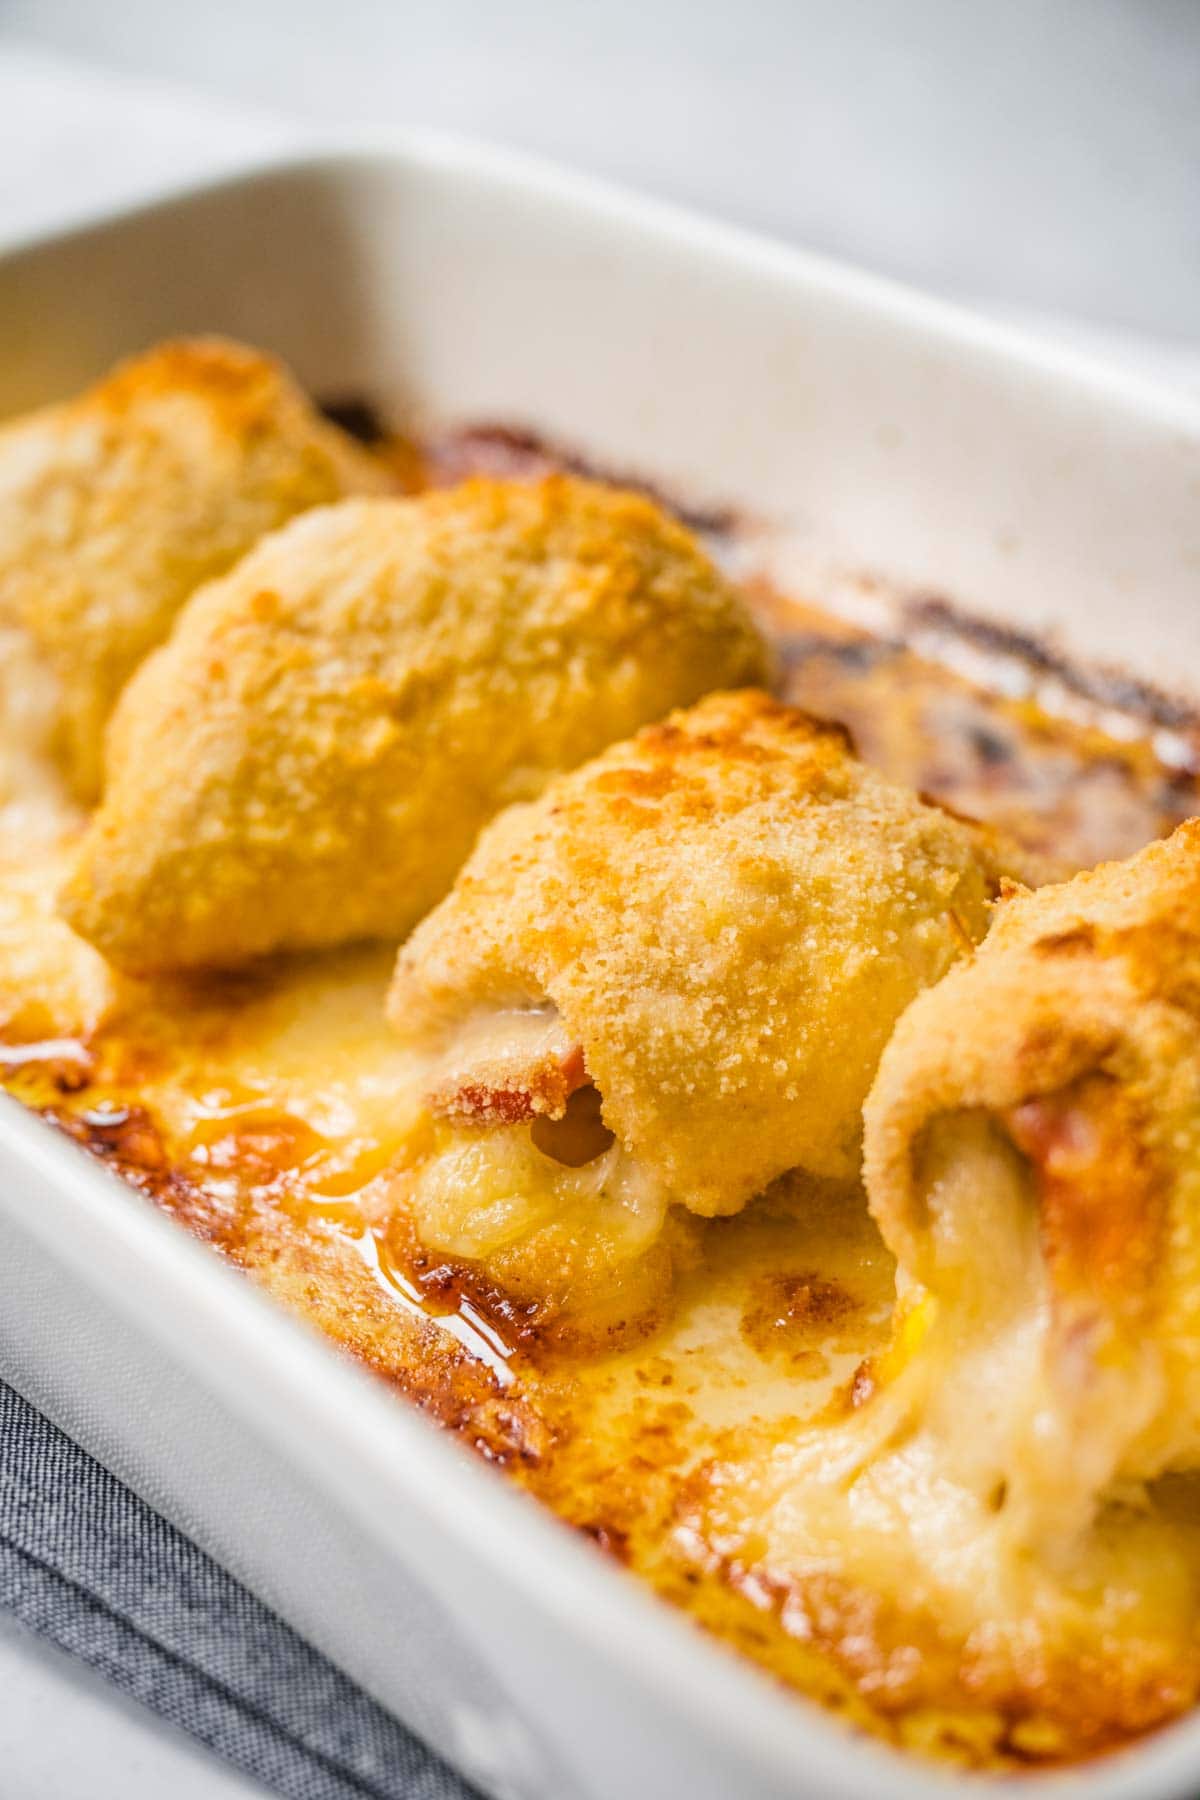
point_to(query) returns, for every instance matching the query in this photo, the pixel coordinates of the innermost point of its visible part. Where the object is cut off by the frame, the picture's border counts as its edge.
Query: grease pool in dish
(273, 1110)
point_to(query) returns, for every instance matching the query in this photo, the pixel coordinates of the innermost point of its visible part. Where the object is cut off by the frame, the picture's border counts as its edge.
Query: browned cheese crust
(309, 759)
(116, 505)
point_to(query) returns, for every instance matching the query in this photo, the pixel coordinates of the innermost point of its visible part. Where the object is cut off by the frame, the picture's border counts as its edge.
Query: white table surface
(66, 1734)
(1043, 155)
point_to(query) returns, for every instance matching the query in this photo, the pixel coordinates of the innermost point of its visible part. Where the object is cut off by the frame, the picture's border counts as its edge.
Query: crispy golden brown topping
(116, 505)
(310, 758)
(708, 930)
(725, 915)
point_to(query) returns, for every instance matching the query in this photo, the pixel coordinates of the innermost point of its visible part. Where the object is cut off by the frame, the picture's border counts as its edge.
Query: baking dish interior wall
(881, 426)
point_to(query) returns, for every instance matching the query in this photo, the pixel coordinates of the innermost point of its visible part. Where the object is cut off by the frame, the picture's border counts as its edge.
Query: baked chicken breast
(309, 759)
(117, 504)
(667, 982)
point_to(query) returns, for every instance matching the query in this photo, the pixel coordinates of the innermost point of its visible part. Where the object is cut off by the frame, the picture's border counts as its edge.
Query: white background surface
(65, 1734)
(1041, 157)
(1041, 153)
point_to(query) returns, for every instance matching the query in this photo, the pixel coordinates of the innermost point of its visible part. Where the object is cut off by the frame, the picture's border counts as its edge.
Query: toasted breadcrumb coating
(116, 505)
(717, 924)
(310, 757)
(1068, 1050)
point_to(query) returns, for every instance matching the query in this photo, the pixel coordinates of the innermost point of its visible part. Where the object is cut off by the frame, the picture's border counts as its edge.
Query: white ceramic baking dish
(895, 432)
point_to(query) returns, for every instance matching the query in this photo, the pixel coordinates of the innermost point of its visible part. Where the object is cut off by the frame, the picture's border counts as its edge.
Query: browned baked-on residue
(508, 450)
(794, 1316)
(1057, 781)
(971, 1702)
(1055, 778)
(241, 1189)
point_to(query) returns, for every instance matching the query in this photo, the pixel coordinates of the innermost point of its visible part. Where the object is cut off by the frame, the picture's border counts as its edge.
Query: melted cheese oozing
(973, 1491)
(484, 1190)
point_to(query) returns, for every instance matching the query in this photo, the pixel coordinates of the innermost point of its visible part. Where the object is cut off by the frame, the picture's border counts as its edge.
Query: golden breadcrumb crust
(117, 504)
(310, 758)
(729, 913)
(1076, 1030)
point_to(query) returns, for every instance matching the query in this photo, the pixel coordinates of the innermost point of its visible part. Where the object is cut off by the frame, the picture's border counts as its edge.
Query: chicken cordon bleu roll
(1032, 1156)
(310, 757)
(666, 983)
(114, 506)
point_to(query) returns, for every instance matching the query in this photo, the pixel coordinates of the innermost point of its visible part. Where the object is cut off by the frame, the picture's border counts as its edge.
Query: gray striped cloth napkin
(92, 1568)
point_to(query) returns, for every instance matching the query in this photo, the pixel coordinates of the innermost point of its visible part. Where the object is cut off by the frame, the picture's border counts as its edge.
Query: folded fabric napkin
(89, 1566)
